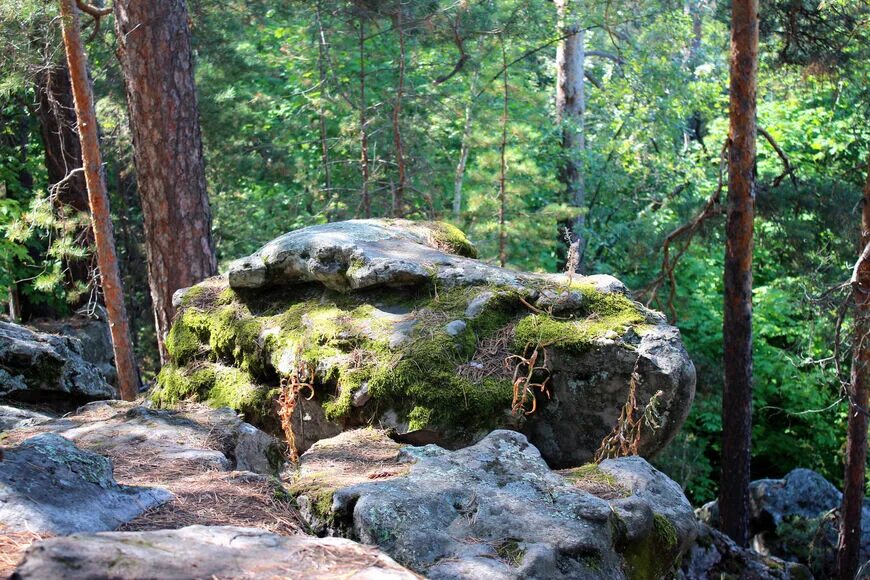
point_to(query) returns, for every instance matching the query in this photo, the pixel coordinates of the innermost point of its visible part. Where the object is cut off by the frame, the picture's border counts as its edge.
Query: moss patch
(449, 238)
(592, 479)
(656, 555)
(603, 315)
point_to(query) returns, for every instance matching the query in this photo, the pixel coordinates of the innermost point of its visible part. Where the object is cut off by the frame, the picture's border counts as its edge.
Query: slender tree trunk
(321, 63)
(571, 112)
(737, 327)
(363, 122)
(465, 148)
(502, 191)
(849, 545)
(157, 62)
(399, 191)
(101, 219)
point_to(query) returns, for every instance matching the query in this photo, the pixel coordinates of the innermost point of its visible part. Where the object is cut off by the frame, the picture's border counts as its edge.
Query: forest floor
(204, 495)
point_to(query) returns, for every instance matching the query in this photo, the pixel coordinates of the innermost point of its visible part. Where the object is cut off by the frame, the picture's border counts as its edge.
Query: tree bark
(399, 191)
(101, 220)
(465, 148)
(321, 65)
(571, 112)
(502, 174)
(363, 122)
(157, 62)
(737, 324)
(849, 545)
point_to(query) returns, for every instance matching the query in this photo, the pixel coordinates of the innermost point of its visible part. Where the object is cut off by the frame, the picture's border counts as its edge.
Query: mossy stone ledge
(404, 329)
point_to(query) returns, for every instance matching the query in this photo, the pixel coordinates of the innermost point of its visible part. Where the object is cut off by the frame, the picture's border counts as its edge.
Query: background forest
(321, 111)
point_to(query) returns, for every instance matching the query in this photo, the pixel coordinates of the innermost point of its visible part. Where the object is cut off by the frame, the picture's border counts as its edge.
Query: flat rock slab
(36, 366)
(205, 552)
(495, 510)
(49, 485)
(15, 418)
(215, 438)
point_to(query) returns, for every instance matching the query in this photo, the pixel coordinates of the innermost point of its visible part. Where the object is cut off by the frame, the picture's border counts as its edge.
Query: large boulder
(495, 510)
(36, 366)
(793, 519)
(48, 485)
(394, 323)
(204, 552)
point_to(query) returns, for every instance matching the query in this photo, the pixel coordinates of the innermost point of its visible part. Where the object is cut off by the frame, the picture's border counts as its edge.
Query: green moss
(235, 337)
(605, 313)
(419, 418)
(187, 336)
(665, 532)
(656, 555)
(450, 238)
(175, 384)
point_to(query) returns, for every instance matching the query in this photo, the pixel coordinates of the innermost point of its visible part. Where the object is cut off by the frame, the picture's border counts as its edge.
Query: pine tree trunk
(465, 147)
(101, 220)
(399, 191)
(737, 323)
(502, 173)
(363, 123)
(157, 62)
(849, 545)
(571, 112)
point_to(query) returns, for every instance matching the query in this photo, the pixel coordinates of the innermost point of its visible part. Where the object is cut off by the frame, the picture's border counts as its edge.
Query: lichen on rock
(401, 328)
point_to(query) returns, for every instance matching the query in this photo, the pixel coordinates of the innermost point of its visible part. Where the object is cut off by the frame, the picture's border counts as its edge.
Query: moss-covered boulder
(395, 324)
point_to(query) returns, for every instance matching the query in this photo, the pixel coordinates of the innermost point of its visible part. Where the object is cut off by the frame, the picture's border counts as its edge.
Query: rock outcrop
(49, 485)
(36, 366)
(89, 326)
(495, 510)
(205, 552)
(395, 324)
(792, 519)
(214, 438)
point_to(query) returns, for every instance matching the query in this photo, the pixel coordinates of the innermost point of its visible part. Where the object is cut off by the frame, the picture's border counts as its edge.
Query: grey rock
(357, 254)
(214, 438)
(90, 327)
(714, 555)
(362, 395)
(255, 450)
(589, 388)
(204, 552)
(478, 304)
(496, 510)
(14, 418)
(787, 520)
(36, 365)
(455, 328)
(49, 485)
